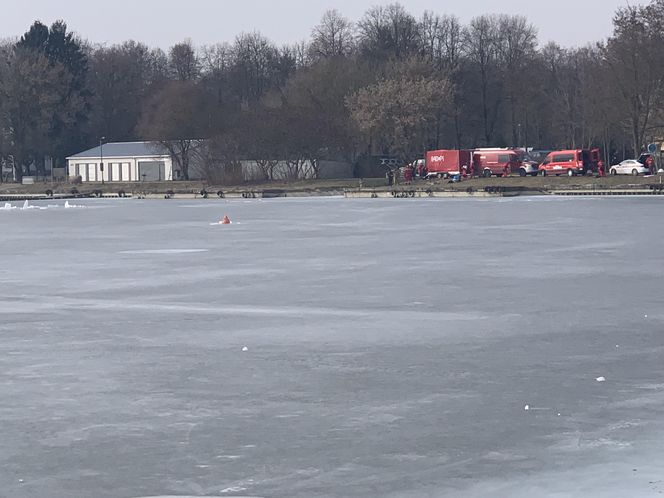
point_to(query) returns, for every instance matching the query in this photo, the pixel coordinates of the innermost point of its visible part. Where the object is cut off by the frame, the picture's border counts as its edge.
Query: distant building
(123, 162)
(151, 162)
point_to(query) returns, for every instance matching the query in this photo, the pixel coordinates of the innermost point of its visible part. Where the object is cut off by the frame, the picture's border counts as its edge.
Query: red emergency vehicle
(571, 162)
(498, 162)
(448, 163)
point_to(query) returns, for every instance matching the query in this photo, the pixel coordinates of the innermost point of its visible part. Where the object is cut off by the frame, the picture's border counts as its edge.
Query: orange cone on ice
(225, 221)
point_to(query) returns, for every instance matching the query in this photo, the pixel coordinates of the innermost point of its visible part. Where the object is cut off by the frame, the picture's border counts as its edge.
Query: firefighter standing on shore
(408, 172)
(389, 176)
(650, 164)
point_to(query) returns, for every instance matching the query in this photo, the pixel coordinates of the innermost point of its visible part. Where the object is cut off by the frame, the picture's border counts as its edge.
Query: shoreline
(352, 188)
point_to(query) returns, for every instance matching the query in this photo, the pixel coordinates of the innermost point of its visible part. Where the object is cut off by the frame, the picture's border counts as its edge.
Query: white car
(629, 167)
(529, 168)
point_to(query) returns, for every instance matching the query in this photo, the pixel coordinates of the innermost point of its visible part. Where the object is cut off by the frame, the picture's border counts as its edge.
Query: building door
(152, 171)
(125, 173)
(115, 177)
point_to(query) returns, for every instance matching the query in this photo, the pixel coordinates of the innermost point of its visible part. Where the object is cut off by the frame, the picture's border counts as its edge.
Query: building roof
(124, 149)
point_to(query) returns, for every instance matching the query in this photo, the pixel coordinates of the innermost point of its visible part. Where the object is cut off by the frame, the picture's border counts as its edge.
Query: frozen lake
(392, 347)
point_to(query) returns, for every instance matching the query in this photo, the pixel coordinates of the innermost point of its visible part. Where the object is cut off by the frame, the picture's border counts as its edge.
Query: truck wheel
(487, 173)
(635, 172)
(522, 172)
(439, 176)
(570, 172)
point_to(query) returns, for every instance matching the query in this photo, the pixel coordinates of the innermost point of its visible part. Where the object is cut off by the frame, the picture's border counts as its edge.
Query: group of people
(393, 176)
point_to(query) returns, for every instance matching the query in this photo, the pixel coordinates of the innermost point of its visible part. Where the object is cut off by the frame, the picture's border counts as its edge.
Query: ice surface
(393, 347)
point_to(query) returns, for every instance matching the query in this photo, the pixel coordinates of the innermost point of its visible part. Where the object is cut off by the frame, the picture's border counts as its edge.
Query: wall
(284, 171)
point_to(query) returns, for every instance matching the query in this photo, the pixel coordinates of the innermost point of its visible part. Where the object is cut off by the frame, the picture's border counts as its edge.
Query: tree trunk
(185, 165)
(485, 111)
(18, 172)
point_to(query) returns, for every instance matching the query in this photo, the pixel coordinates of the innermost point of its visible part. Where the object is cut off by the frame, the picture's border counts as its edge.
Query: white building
(123, 162)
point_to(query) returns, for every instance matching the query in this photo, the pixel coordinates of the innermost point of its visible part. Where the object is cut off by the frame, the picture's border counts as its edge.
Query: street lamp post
(101, 157)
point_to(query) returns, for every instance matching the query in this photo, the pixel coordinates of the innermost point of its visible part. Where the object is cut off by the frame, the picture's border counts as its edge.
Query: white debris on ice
(28, 206)
(527, 407)
(245, 349)
(601, 379)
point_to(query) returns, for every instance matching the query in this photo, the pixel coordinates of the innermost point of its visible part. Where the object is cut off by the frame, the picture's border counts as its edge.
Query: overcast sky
(165, 22)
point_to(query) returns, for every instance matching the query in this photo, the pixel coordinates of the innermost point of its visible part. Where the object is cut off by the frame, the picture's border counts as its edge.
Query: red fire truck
(477, 162)
(571, 162)
(448, 163)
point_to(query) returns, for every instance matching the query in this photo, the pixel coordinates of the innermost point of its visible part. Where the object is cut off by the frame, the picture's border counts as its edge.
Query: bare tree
(255, 60)
(635, 57)
(441, 41)
(121, 79)
(333, 36)
(517, 46)
(183, 61)
(216, 59)
(320, 92)
(388, 32)
(175, 119)
(482, 51)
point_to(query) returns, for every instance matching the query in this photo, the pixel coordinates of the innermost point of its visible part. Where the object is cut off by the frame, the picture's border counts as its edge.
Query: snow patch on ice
(73, 206)
(28, 206)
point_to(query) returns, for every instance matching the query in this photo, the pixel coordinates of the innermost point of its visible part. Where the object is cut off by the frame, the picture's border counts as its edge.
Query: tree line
(388, 84)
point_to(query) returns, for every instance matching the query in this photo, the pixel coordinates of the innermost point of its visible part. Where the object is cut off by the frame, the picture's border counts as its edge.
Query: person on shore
(408, 174)
(422, 170)
(650, 164)
(390, 177)
(601, 169)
